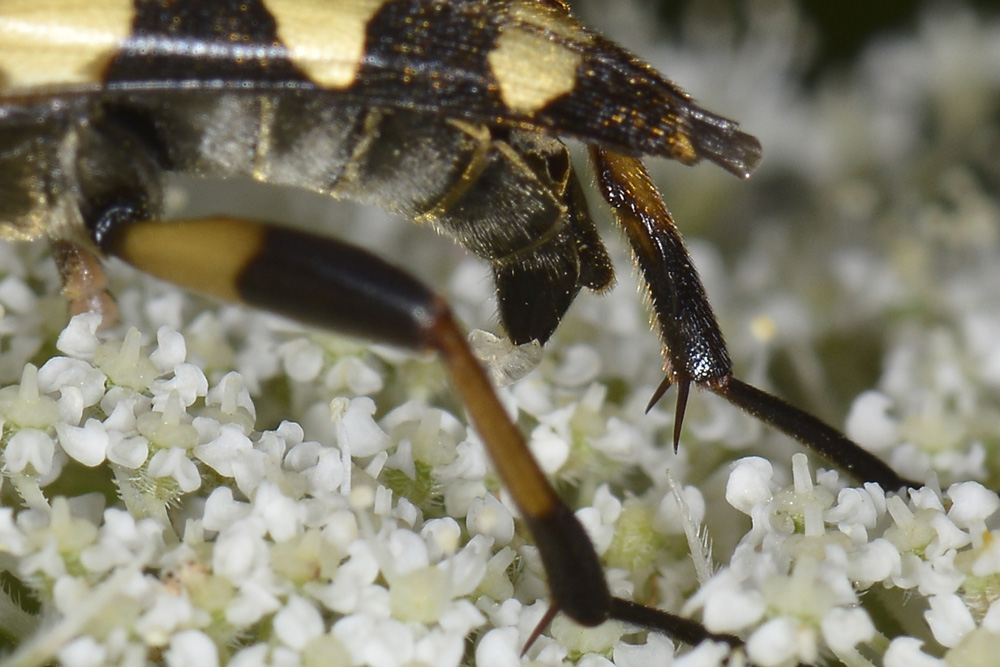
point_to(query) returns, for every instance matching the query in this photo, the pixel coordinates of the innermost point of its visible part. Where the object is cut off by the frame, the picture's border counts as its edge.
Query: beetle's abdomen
(509, 196)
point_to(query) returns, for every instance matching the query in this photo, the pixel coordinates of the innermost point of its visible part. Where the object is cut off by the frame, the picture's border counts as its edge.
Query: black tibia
(576, 577)
(693, 346)
(566, 552)
(823, 439)
(334, 285)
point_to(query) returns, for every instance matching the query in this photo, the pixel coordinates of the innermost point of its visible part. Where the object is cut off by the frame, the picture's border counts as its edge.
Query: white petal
(87, 444)
(298, 623)
(192, 648)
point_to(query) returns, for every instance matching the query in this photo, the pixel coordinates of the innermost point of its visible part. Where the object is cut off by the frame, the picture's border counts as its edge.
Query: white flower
(225, 450)
(364, 636)
(167, 614)
(949, 619)
(843, 629)
(79, 339)
(732, 610)
(221, 510)
(580, 366)
(253, 602)
(29, 450)
(83, 651)
(174, 463)
(356, 429)
(60, 373)
(750, 484)
(282, 515)
(488, 516)
(971, 505)
(120, 540)
(24, 406)
(240, 551)
(298, 623)
(171, 349)
(873, 562)
(128, 452)
(232, 397)
(124, 363)
(191, 648)
(187, 384)
(869, 421)
(779, 641)
(87, 444)
(905, 652)
(355, 375)
(499, 648)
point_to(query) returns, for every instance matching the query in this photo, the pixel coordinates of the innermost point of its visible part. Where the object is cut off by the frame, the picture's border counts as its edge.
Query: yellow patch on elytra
(325, 39)
(549, 19)
(536, 56)
(682, 150)
(59, 42)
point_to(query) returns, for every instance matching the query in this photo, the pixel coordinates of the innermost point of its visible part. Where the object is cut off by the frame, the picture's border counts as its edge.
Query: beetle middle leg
(85, 284)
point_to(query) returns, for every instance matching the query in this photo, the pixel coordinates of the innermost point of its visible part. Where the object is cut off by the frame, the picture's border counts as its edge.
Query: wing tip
(719, 140)
(742, 155)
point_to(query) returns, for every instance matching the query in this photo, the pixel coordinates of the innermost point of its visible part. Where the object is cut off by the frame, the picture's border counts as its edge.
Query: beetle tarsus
(680, 628)
(820, 437)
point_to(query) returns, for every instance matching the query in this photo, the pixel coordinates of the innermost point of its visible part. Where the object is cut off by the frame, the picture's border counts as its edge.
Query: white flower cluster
(268, 548)
(287, 536)
(245, 547)
(814, 550)
(223, 488)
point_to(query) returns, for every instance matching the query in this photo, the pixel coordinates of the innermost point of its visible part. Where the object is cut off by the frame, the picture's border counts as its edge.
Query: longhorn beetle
(447, 112)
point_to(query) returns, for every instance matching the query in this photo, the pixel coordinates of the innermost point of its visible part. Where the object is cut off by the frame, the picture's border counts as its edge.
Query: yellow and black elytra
(447, 112)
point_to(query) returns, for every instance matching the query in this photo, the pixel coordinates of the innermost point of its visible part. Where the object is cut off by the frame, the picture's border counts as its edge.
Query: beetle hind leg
(694, 348)
(337, 286)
